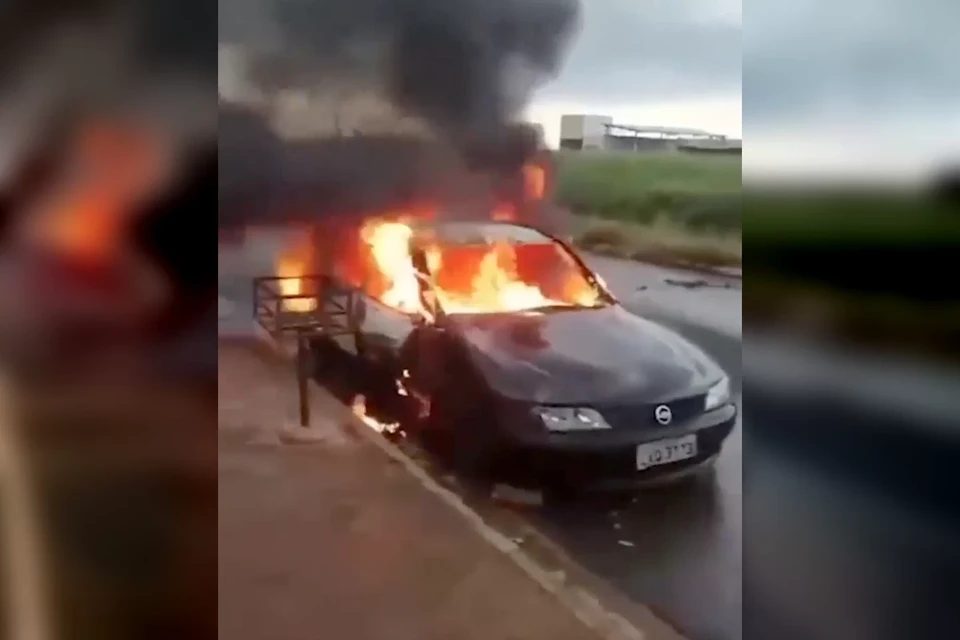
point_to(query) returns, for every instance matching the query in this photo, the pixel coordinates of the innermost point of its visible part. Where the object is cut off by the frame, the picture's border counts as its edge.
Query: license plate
(654, 454)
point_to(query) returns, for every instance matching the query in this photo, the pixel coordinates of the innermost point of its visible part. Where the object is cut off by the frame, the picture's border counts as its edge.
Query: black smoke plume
(464, 67)
(266, 180)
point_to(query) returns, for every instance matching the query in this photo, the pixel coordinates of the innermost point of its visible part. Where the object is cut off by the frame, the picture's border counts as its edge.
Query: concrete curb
(582, 603)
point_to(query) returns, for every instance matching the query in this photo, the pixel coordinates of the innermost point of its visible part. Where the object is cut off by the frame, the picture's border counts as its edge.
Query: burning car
(497, 339)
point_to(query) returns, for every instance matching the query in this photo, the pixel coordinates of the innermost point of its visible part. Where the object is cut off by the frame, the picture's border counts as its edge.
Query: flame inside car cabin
(467, 279)
(389, 244)
(475, 276)
(468, 282)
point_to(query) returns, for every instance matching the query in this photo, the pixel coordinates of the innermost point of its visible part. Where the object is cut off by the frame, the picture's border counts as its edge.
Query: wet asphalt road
(675, 550)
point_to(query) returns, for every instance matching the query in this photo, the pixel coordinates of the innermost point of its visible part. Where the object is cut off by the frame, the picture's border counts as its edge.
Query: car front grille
(626, 416)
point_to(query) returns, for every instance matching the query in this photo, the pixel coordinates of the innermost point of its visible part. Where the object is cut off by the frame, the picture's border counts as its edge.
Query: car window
(529, 270)
(487, 233)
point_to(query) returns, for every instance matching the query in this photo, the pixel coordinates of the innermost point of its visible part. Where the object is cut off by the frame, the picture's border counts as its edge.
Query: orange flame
(504, 212)
(112, 168)
(389, 244)
(463, 284)
(464, 279)
(535, 180)
(359, 409)
(293, 264)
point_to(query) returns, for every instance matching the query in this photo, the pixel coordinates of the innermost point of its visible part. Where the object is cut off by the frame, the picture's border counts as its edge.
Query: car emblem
(663, 414)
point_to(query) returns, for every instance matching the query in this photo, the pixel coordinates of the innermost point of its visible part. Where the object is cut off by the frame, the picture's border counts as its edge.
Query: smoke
(62, 61)
(266, 180)
(464, 67)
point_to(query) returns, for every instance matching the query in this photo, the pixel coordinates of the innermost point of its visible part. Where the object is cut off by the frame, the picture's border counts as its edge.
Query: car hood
(584, 356)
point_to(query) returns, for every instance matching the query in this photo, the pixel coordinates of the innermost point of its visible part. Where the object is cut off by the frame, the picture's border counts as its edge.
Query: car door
(384, 330)
(422, 355)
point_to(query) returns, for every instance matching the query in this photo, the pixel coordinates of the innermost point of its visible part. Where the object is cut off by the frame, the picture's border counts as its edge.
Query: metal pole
(303, 375)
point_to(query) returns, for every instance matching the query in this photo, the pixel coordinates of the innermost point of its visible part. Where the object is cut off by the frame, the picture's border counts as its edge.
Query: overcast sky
(819, 82)
(651, 62)
(871, 83)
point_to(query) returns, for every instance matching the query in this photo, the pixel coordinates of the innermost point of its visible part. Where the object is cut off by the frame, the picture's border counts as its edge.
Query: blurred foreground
(122, 502)
(851, 418)
(107, 461)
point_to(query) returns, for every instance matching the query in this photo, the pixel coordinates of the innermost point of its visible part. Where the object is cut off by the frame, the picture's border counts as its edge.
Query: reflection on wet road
(677, 550)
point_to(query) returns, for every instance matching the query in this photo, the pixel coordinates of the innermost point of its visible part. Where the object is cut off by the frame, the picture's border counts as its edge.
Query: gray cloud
(634, 51)
(809, 60)
(627, 51)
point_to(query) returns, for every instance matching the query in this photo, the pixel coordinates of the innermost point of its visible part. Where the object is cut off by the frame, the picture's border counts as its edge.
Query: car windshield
(503, 268)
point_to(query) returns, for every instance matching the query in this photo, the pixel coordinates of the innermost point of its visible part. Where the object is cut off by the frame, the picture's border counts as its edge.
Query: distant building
(585, 132)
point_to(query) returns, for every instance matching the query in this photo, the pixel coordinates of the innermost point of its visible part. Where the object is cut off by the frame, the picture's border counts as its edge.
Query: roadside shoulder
(547, 596)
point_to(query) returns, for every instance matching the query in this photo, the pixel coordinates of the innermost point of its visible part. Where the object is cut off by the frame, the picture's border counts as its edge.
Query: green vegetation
(869, 266)
(821, 216)
(877, 266)
(670, 209)
(702, 192)
(662, 242)
(873, 242)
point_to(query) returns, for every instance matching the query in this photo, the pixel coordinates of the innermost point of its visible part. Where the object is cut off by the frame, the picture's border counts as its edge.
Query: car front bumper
(608, 459)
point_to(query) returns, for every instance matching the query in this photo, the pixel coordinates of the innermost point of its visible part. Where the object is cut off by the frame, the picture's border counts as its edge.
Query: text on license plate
(652, 454)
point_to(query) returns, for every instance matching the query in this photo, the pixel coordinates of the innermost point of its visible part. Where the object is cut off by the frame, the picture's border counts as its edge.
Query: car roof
(484, 232)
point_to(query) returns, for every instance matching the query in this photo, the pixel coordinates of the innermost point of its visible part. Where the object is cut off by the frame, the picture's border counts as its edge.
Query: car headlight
(718, 394)
(571, 419)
